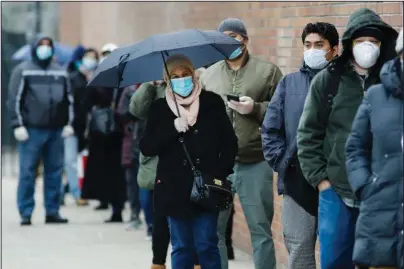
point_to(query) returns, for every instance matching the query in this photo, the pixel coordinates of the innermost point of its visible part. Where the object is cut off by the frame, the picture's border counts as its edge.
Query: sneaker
(134, 224)
(149, 233)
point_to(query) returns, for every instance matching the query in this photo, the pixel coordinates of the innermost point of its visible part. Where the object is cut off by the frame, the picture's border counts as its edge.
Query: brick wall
(274, 29)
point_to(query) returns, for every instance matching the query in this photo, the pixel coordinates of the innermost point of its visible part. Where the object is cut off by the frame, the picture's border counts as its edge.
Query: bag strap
(335, 73)
(184, 147)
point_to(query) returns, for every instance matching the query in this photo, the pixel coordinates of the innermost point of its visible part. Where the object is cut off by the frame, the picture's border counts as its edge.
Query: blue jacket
(374, 160)
(282, 118)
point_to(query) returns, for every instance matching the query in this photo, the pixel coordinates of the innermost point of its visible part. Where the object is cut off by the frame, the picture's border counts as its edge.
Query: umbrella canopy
(144, 61)
(63, 53)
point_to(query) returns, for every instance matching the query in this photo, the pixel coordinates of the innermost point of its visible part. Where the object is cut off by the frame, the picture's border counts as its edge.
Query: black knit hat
(233, 24)
(369, 31)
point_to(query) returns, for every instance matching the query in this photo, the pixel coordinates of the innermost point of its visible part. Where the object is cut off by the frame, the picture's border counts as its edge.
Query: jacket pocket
(367, 189)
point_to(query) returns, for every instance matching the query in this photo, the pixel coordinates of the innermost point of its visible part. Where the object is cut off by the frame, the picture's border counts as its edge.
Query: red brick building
(274, 29)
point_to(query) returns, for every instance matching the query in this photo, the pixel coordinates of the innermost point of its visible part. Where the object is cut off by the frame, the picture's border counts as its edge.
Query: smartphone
(231, 97)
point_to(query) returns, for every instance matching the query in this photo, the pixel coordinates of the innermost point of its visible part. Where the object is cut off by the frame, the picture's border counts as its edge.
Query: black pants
(161, 239)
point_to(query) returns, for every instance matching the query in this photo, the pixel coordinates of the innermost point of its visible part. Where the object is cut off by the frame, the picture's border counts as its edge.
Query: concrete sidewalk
(85, 243)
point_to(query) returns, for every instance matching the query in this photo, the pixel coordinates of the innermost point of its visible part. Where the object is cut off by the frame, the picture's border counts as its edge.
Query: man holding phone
(246, 84)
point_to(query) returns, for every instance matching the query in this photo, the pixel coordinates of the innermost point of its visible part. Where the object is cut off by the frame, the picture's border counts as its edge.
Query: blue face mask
(236, 53)
(44, 52)
(182, 86)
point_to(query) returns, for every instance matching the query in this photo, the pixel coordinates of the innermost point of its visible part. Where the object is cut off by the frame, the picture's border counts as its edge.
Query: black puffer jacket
(375, 171)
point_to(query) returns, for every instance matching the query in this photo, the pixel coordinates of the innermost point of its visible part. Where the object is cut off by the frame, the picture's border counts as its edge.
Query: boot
(115, 218)
(197, 267)
(55, 219)
(158, 266)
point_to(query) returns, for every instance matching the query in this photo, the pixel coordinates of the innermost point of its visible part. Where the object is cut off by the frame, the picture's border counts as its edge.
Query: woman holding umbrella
(201, 120)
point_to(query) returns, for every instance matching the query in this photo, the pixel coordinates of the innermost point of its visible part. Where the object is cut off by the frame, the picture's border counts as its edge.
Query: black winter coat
(211, 142)
(375, 172)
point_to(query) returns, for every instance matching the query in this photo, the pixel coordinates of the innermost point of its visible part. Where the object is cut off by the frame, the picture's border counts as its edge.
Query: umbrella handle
(171, 86)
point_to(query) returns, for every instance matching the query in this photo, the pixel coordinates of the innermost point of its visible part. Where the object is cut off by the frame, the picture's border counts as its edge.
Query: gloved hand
(21, 134)
(245, 106)
(181, 125)
(67, 131)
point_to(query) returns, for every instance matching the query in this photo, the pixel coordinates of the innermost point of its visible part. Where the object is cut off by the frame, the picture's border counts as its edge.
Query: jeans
(146, 200)
(336, 228)
(70, 158)
(47, 145)
(253, 184)
(133, 190)
(194, 234)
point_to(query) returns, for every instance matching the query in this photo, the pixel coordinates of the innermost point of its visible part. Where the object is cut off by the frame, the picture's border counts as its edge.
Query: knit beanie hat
(369, 31)
(233, 24)
(399, 43)
(175, 61)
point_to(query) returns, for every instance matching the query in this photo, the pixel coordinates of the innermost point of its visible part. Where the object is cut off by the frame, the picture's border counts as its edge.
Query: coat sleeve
(358, 149)
(123, 105)
(311, 133)
(227, 141)
(70, 99)
(15, 92)
(273, 128)
(141, 100)
(261, 107)
(159, 133)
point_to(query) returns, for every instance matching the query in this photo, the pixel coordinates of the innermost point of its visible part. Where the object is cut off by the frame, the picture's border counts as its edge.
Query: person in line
(139, 107)
(129, 161)
(254, 81)
(326, 122)
(41, 107)
(374, 161)
(299, 210)
(104, 176)
(82, 66)
(105, 51)
(212, 145)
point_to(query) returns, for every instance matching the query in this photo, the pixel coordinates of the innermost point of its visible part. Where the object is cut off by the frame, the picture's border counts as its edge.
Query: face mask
(182, 86)
(237, 52)
(315, 58)
(366, 54)
(43, 52)
(89, 63)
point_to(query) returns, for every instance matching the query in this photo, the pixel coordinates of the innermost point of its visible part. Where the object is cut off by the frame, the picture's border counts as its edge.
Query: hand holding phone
(232, 97)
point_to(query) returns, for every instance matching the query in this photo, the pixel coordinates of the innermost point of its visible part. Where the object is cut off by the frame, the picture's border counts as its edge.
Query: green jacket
(257, 79)
(139, 107)
(320, 142)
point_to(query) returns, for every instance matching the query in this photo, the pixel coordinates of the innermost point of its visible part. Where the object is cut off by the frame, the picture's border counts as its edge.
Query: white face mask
(366, 54)
(315, 58)
(89, 63)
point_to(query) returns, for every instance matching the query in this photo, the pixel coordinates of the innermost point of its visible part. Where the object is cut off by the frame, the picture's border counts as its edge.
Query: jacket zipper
(234, 92)
(50, 99)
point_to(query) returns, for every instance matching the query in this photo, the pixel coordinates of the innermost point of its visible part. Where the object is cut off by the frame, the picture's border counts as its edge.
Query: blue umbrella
(145, 60)
(63, 53)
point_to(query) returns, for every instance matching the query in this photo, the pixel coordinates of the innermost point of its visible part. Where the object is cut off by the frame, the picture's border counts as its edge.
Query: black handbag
(207, 191)
(102, 119)
(296, 185)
